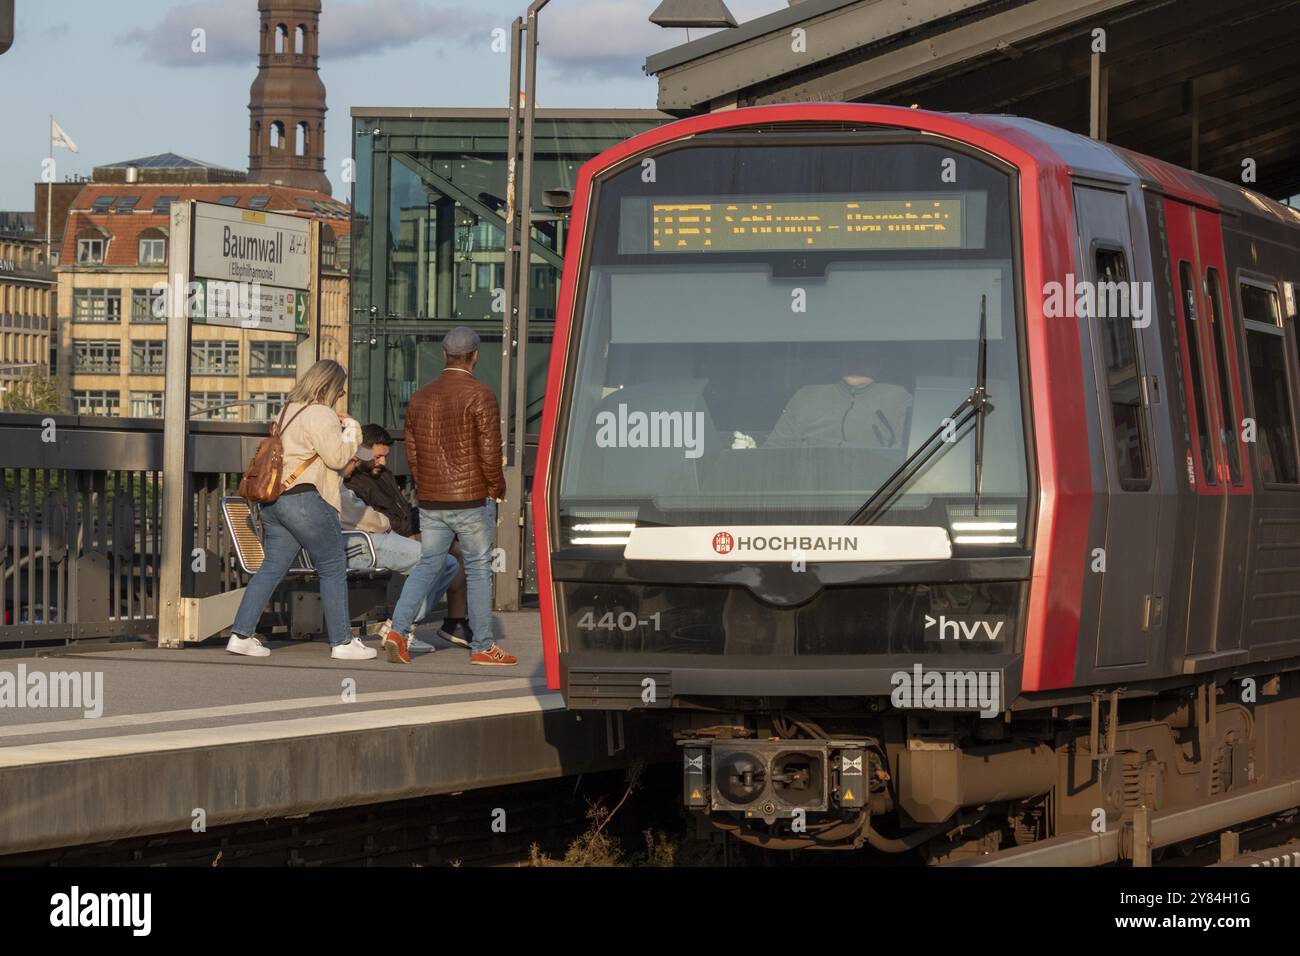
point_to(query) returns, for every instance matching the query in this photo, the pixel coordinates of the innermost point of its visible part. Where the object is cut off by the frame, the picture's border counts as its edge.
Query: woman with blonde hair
(318, 443)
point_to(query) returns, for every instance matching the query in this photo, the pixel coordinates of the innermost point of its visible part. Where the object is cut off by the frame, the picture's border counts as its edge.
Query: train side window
(1194, 361)
(1266, 341)
(1123, 379)
(1221, 342)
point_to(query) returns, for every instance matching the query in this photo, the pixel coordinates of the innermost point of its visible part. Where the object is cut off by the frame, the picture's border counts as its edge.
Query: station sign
(254, 268)
(262, 307)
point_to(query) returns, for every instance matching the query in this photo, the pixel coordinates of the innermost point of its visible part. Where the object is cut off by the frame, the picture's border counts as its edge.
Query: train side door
(1223, 368)
(1214, 461)
(1126, 620)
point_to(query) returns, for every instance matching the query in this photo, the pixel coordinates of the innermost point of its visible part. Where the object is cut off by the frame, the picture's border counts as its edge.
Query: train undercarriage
(830, 774)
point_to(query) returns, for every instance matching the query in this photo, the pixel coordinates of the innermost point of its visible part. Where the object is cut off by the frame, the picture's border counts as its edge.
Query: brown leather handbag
(263, 480)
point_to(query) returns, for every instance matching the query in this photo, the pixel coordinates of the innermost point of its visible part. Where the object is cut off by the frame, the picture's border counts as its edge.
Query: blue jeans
(399, 553)
(300, 521)
(476, 528)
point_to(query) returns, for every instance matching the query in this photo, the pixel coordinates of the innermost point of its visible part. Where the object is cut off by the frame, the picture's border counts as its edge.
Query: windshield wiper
(974, 406)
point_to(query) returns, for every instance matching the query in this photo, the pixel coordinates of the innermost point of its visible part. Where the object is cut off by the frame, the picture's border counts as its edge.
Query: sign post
(176, 411)
(237, 268)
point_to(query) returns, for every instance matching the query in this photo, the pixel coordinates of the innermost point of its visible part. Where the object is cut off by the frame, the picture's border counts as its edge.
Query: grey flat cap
(460, 341)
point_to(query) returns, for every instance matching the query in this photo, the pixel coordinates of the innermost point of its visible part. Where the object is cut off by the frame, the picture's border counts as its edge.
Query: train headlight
(600, 527)
(991, 526)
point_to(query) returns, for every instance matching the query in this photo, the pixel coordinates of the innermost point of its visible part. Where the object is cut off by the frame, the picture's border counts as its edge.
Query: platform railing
(80, 524)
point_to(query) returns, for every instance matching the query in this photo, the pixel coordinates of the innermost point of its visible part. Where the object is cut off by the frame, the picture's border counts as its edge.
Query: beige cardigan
(318, 431)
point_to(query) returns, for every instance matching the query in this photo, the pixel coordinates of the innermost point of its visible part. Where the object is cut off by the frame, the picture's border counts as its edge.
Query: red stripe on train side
(1056, 386)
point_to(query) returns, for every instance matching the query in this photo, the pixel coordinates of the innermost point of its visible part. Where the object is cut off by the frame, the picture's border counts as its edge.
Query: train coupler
(770, 780)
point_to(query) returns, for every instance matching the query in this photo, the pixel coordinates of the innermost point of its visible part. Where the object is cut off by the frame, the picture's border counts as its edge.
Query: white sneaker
(353, 650)
(248, 646)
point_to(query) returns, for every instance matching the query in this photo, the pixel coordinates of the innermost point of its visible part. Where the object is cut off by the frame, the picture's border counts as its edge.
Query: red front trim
(1055, 363)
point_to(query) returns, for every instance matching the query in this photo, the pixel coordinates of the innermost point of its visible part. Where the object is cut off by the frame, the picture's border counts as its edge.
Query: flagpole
(49, 195)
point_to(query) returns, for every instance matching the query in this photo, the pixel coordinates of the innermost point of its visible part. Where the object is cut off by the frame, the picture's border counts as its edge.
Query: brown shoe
(494, 656)
(397, 645)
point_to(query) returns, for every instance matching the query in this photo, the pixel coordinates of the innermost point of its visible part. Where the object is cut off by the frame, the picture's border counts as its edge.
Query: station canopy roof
(1205, 84)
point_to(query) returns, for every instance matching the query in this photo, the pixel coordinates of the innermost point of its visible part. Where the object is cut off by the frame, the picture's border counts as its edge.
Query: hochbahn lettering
(791, 543)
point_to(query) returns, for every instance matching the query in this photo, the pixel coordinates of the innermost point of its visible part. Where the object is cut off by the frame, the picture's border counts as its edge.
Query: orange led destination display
(792, 225)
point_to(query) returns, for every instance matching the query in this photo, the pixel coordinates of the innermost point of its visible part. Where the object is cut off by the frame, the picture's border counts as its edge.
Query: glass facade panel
(428, 243)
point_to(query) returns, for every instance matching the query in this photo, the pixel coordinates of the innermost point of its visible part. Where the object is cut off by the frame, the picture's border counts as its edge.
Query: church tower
(287, 100)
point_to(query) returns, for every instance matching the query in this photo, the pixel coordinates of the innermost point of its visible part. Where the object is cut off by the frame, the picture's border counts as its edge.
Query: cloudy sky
(122, 81)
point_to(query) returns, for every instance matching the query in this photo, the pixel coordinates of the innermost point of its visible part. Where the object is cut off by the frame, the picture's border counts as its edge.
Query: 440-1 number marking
(624, 621)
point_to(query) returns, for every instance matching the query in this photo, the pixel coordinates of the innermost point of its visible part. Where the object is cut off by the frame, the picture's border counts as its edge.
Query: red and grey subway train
(925, 472)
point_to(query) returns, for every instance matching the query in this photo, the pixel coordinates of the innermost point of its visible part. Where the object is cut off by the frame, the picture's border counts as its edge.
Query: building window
(126, 205)
(97, 356)
(153, 251)
(273, 358)
(148, 305)
(1266, 343)
(214, 358)
(146, 404)
(266, 406)
(102, 205)
(90, 252)
(229, 200)
(96, 305)
(221, 405)
(148, 357)
(163, 205)
(97, 401)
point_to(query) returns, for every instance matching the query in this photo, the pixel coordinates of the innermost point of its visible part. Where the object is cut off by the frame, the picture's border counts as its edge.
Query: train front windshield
(767, 332)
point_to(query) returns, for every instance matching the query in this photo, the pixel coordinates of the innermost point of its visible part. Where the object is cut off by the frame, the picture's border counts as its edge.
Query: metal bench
(246, 537)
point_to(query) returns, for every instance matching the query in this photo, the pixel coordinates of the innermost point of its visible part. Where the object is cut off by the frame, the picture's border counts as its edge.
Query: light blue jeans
(300, 521)
(476, 528)
(399, 553)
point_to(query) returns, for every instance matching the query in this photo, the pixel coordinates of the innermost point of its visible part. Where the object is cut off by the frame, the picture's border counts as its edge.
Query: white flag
(60, 138)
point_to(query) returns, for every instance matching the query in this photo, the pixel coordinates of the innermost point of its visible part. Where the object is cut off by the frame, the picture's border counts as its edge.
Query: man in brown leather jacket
(453, 446)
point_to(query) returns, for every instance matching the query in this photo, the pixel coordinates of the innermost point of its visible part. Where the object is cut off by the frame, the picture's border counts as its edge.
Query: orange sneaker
(397, 645)
(494, 656)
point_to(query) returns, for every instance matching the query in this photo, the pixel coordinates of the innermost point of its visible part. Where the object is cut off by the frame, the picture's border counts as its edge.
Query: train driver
(857, 411)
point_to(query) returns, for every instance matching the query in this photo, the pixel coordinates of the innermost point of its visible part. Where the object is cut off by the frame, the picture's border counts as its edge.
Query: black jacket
(384, 496)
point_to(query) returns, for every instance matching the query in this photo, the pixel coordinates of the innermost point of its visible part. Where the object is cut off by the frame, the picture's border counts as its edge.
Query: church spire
(287, 100)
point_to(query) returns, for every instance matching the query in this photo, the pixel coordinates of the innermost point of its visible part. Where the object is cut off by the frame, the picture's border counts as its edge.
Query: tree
(35, 391)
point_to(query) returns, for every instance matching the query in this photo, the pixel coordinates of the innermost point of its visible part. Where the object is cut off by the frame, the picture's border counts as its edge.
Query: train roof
(1080, 155)
(1085, 156)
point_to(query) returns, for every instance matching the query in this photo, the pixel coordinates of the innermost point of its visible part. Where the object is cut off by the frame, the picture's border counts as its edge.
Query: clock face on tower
(287, 99)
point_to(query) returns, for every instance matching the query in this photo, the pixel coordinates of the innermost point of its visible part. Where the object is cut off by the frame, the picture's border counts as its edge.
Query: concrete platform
(197, 729)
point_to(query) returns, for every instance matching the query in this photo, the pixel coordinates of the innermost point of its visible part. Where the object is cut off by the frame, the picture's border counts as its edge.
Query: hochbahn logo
(724, 542)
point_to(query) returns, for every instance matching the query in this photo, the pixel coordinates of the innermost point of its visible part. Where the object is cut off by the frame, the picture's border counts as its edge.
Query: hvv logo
(955, 629)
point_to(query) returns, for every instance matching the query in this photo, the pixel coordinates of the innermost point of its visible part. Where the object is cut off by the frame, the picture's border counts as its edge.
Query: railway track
(1261, 823)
